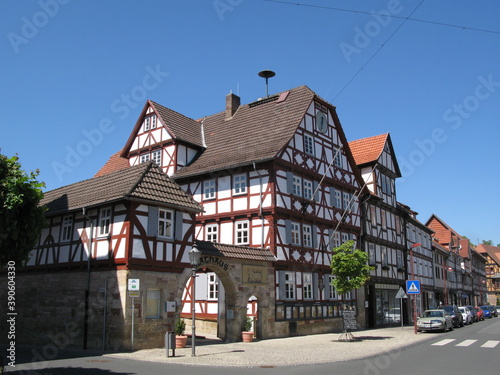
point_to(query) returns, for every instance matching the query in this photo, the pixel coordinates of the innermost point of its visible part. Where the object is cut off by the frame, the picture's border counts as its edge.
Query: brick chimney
(232, 104)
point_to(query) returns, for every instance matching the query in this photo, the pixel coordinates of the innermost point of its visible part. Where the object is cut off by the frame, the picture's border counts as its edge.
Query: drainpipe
(87, 291)
(260, 197)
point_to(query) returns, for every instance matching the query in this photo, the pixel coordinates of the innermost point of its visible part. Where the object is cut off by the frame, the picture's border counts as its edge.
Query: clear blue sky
(75, 75)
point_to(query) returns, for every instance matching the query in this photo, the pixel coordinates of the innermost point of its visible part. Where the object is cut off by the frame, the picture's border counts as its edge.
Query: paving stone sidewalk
(290, 351)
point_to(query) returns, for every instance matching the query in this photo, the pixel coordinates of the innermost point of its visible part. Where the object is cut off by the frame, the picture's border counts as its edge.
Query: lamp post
(194, 259)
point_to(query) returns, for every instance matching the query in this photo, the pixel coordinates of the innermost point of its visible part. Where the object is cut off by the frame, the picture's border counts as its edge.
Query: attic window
(150, 123)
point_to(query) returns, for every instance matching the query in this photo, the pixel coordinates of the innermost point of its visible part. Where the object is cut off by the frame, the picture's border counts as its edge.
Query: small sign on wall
(254, 275)
(230, 314)
(170, 306)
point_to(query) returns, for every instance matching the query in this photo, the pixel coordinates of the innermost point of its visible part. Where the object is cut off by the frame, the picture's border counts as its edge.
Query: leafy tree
(350, 267)
(21, 217)
(488, 242)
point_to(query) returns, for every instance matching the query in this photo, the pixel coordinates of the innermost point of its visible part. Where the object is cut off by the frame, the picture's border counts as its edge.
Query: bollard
(170, 343)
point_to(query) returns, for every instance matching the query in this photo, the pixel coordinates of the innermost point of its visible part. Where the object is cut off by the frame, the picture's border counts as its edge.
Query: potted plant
(247, 334)
(180, 338)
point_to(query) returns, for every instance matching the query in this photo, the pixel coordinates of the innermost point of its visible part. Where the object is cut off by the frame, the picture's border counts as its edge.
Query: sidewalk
(290, 351)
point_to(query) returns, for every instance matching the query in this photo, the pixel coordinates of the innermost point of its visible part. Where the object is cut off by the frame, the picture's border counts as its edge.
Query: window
(373, 215)
(104, 221)
(156, 156)
(336, 239)
(400, 260)
(152, 304)
(308, 189)
(212, 232)
(295, 227)
(307, 235)
(345, 237)
(371, 253)
(346, 200)
(213, 286)
(209, 189)
(385, 259)
(165, 221)
(307, 285)
(289, 285)
(67, 228)
(242, 232)
(308, 144)
(147, 123)
(338, 157)
(297, 186)
(240, 184)
(332, 293)
(153, 122)
(145, 158)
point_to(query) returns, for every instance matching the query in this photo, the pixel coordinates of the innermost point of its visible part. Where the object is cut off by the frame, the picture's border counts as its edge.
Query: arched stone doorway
(239, 280)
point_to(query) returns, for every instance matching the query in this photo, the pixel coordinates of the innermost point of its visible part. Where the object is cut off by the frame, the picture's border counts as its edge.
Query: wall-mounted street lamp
(194, 259)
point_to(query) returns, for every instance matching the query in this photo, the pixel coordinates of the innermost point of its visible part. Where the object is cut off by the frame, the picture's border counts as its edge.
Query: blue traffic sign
(413, 286)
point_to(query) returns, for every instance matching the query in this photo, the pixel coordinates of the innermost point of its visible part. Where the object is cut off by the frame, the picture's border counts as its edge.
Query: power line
(392, 16)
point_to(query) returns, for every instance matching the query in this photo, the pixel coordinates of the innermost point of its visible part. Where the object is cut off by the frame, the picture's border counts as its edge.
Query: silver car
(434, 320)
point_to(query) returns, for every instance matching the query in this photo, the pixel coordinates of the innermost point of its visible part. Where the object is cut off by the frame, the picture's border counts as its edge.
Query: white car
(466, 314)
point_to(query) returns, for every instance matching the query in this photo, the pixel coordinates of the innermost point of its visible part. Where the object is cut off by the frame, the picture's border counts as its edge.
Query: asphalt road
(473, 349)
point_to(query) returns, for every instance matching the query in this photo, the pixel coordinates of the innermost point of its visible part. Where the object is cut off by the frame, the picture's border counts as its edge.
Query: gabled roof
(142, 182)
(492, 251)
(180, 127)
(368, 150)
(443, 232)
(234, 251)
(256, 132)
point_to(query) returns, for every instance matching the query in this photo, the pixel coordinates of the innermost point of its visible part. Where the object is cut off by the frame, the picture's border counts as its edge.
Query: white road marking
(490, 344)
(443, 342)
(466, 343)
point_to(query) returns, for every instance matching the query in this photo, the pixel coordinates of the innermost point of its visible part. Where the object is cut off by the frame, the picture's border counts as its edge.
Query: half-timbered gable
(130, 218)
(384, 233)
(168, 138)
(489, 280)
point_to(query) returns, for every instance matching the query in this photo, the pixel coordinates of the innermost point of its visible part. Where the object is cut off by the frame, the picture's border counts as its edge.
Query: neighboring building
(276, 173)
(491, 255)
(474, 274)
(448, 238)
(383, 228)
(420, 265)
(440, 263)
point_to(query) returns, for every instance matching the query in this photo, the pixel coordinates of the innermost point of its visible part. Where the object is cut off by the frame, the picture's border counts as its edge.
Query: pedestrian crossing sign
(413, 286)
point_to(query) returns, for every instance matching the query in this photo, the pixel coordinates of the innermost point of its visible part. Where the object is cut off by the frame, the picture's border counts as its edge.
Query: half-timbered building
(383, 228)
(276, 173)
(490, 283)
(135, 223)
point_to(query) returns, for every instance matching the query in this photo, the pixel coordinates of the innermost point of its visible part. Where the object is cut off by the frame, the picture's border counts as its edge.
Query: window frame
(307, 186)
(242, 234)
(295, 233)
(307, 233)
(212, 287)
(144, 158)
(209, 189)
(165, 224)
(67, 228)
(297, 186)
(211, 231)
(149, 304)
(289, 286)
(309, 144)
(241, 185)
(307, 286)
(156, 154)
(104, 222)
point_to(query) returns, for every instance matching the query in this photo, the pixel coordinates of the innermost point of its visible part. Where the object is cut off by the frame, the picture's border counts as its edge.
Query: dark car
(456, 316)
(493, 310)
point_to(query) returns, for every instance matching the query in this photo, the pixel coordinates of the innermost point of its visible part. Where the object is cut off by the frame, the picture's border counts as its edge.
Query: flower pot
(247, 336)
(180, 341)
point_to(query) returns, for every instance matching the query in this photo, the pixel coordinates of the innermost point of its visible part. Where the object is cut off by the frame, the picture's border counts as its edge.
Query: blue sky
(76, 75)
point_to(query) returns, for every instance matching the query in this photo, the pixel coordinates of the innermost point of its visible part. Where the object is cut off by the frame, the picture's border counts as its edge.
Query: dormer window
(150, 123)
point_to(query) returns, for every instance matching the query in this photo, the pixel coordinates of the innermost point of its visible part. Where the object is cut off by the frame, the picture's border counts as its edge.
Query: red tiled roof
(145, 181)
(492, 251)
(234, 251)
(114, 163)
(368, 150)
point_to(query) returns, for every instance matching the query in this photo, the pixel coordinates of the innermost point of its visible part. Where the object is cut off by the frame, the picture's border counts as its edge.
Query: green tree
(350, 268)
(21, 217)
(488, 242)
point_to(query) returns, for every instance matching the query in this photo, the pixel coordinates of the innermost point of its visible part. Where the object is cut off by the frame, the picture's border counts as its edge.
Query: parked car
(493, 310)
(435, 320)
(479, 312)
(474, 313)
(466, 314)
(456, 316)
(498, 309)
(486, 311)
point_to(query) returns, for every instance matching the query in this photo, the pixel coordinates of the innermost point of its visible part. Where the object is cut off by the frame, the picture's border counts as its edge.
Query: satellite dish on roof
(267, 74)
